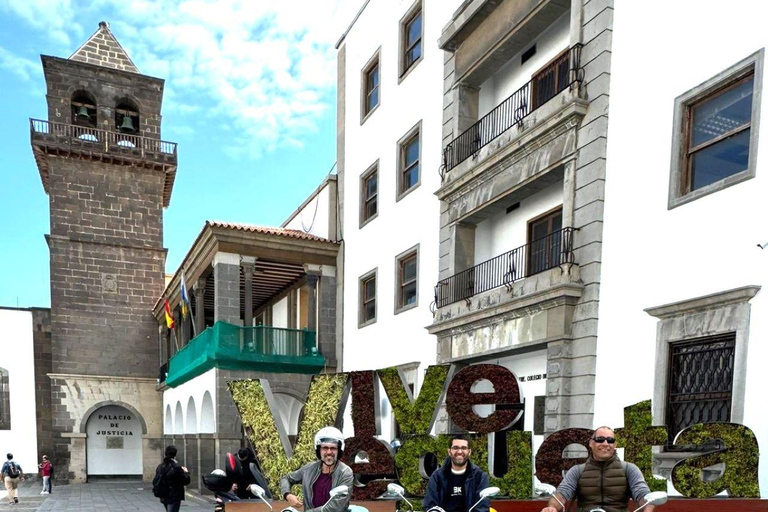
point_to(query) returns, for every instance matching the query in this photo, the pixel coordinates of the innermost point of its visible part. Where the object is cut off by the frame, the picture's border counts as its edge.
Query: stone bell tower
(108, 175)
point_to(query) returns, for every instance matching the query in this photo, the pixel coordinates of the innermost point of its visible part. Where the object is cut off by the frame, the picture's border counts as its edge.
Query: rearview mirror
(489, 491)
(341, 490)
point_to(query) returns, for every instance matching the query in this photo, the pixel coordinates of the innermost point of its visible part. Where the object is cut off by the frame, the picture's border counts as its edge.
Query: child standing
(45, 471)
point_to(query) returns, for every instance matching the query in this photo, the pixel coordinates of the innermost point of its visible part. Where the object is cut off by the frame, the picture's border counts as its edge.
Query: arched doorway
(114, 442)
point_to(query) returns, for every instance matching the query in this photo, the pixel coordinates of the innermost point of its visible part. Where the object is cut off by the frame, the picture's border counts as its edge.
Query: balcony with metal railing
(260, 348)
(564, 73)
(505, 269)
(72, 140)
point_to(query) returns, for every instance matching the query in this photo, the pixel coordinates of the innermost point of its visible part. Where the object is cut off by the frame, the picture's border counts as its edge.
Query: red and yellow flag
(168, 317)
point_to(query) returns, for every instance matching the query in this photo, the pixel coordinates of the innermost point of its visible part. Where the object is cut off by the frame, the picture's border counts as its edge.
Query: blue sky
(249, 97)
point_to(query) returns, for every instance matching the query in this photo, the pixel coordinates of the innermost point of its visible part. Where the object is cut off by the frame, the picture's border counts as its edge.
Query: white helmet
(329, 435)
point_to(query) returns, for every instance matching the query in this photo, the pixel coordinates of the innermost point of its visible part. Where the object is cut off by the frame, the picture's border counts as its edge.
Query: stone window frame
(715, 314)
(373, 62)
(677, 195)
(399, 259)
(410, 135)
(370, 171)
(5, 400)
(362, 280)
(416, 9)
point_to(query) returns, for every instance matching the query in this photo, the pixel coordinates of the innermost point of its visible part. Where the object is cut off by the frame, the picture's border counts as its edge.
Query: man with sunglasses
(456, 486)
(604, 481)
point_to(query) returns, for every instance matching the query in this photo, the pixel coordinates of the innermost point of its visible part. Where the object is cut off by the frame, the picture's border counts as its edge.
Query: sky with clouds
(249, 96)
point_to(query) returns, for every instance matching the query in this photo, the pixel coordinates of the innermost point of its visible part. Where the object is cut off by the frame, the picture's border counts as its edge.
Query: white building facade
(390, 78)
(18, 400)
(682, 313)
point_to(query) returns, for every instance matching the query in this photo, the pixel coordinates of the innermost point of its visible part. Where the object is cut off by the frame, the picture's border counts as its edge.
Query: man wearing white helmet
(319, 477)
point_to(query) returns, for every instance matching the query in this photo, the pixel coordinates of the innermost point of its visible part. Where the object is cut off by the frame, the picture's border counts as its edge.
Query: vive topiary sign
(375, 465)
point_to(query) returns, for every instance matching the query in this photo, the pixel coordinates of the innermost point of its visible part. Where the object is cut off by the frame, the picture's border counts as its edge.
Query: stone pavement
(108, 496)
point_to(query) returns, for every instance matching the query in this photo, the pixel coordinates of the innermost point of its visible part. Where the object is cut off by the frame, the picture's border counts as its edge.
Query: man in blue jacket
(456, 486)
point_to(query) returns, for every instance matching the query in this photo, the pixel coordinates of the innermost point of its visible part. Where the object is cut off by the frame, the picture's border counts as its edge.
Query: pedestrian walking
(46, 468)
(170, 479)
(12, 475)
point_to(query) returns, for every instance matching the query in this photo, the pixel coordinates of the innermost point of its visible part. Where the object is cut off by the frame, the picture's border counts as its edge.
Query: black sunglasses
(600, 439)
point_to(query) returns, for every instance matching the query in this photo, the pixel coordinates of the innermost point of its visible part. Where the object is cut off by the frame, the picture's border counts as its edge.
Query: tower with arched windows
(108, 175)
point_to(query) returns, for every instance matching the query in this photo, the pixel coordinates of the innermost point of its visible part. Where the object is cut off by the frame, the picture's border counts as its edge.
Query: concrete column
(569, 193)
(312, 302)
(463, 247)
(226, 293)
(248, 269)
(467, 104)
(199, 289)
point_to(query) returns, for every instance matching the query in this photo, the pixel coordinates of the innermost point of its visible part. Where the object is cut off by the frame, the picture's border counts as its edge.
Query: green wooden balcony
(261, 348)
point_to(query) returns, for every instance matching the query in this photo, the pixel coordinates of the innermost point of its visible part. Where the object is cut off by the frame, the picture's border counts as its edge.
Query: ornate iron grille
(700, 382)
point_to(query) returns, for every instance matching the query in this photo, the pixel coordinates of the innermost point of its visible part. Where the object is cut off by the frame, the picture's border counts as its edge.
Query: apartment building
(682, 315)
(390, 78)
(521, 200)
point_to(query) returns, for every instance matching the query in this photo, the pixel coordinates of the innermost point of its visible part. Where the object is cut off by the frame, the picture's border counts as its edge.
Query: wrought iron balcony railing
(545, 85)
(503, 270)
(98, 140)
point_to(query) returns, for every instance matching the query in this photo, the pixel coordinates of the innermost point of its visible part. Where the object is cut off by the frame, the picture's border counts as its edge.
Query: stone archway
(113, 445)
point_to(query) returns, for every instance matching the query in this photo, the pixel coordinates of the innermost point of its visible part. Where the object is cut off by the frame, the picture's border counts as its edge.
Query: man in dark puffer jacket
(604, 481)
(456, 486)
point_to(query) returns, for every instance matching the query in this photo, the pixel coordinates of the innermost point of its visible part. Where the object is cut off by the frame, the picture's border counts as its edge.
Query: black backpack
(161, 485)
(13, 470)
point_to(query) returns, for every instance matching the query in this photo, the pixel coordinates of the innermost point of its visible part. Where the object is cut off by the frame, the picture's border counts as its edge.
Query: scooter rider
(604, 481)
(319, 477)
(456, 486)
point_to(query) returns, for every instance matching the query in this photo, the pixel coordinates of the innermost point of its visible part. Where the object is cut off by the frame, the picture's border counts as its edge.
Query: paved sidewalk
(119, 496)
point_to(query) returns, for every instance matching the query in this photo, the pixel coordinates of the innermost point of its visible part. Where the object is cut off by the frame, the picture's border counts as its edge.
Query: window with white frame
(367, 299)
(407, 276)
(714, 142)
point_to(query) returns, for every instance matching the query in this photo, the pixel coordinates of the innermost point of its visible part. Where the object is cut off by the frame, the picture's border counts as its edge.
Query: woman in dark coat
(177, 477)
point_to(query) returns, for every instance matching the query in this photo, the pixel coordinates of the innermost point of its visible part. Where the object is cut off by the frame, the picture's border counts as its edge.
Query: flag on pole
(168, 317)
(185, 304)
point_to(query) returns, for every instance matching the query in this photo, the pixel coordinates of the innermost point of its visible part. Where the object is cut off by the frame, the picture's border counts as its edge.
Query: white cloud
(20, 66)
(264, 69)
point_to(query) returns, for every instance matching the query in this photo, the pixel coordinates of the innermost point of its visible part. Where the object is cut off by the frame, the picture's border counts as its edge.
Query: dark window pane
(413, 54)
(414, 30)
(370, 185)
(723, 113)
(370, 209)
(409, 269)
(373, 78)
(370, 311)
(720, 160)
(370, 289)
(411, 177)
(412, 152)
(409, 294)
(373, 100)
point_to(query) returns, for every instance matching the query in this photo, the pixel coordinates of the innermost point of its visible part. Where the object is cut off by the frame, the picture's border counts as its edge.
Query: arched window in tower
(127, 117)
(83, 109)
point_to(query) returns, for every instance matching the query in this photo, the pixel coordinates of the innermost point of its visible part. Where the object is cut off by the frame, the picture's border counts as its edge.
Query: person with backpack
(170, 479)
(603, 481)
(242, 470)
(46, 468)
(12, 474)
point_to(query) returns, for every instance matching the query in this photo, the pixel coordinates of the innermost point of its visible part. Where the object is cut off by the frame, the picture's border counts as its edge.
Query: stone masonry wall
(65, 77)
(41, 340)
(326, 322)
